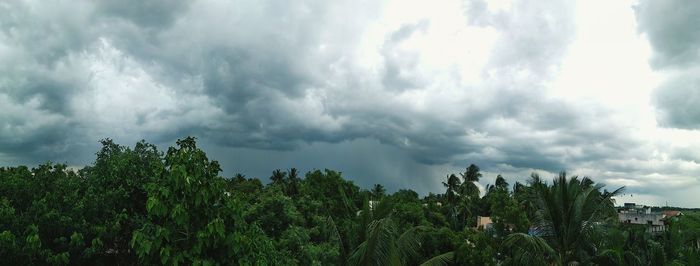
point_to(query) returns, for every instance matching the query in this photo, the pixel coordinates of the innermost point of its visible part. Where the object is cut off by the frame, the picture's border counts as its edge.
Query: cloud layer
(394, 92)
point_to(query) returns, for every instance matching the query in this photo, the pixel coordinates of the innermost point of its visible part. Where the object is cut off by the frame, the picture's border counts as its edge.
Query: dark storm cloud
(294, 82)
(37, 54)
(249, 60)
(150, 14)
(262, 68)
(671, 28)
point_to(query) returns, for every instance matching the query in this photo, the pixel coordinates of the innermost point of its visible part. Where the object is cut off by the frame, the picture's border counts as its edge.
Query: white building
(639, 214)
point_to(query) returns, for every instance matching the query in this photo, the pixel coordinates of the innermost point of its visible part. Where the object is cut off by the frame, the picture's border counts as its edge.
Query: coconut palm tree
(278, 176)
(383, 243)
(378, 191)
(567, 212)
(452, 197)
(472, 174)
(468, 196)
(468, 188)
(452, 186)
(294, 183)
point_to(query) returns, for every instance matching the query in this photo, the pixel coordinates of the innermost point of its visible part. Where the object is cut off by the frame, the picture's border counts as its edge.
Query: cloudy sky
(396, 92)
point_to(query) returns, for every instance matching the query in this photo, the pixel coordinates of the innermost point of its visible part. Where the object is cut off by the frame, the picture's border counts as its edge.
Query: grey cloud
(535, 34)
(677, 101)
(271, 81)
(689, 154)
(257, 120)
(364, 160)
(671, 28)
(399, 67)
(36, 136)
(153, 13)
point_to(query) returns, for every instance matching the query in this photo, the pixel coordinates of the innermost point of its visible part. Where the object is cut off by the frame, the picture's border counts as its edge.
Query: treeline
(143, 206)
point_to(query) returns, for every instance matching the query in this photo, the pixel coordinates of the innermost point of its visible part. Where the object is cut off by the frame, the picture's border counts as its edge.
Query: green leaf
(440, 260)
(164, 255)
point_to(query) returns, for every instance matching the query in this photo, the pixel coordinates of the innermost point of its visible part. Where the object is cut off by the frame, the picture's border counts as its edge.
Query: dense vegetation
(141, 206)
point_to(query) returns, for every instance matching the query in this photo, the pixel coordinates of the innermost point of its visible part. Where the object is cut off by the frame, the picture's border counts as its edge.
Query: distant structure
(484, 222)
(656, 222)
(372, 205)
(671, 214)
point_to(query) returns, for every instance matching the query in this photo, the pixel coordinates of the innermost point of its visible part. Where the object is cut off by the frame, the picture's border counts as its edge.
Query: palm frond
(335, 235)
(383, 209)
(440, 260)
(527, 249)
(408, 243)
(379, 248)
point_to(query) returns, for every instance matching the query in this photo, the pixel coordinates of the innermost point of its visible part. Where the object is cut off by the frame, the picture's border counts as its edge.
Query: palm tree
(382, 243)
(567, 212)
(472, 174)
(278, 176)
(469, 194)
(612, 246)
(452, 186)
(468, 187)
(452, 197)
(501, 183)
(385, 245)
(292, 188)
(378, 191)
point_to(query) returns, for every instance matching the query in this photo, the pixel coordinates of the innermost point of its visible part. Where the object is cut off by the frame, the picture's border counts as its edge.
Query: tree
(383, 243)
(244, 188)
(505, 211)
(452, 197)
(118, 179)
(568, 211)
(325, 194)
(278, 177)
(378, 192)
(469, 196)
(274, 212)
(191, 220)
(476, 250)
(292, 188)
(472, 174)
(136, 205)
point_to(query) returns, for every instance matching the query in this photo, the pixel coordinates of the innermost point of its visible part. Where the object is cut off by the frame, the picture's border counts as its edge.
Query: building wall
(641, 218)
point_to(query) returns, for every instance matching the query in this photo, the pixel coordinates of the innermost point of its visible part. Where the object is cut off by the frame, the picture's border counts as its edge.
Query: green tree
(468, 197)
(293, 186)
(378, 192)
(452, 198)
(278, 177)
(117, 179)
(191, 220)
(384, 243)
(568, 211)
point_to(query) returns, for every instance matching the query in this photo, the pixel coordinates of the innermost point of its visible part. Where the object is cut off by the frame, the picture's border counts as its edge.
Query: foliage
(138, 205)
(191, 220)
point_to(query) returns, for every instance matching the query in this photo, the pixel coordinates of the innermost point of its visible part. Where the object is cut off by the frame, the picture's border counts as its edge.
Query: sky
(397, 92)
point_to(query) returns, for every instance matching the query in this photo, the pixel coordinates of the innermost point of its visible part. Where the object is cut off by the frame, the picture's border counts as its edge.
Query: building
(372, 205)
(484, 222)
(642, 215)
(671, 214)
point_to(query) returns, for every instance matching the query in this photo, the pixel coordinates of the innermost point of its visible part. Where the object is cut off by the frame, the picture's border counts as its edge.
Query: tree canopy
(139, 205)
